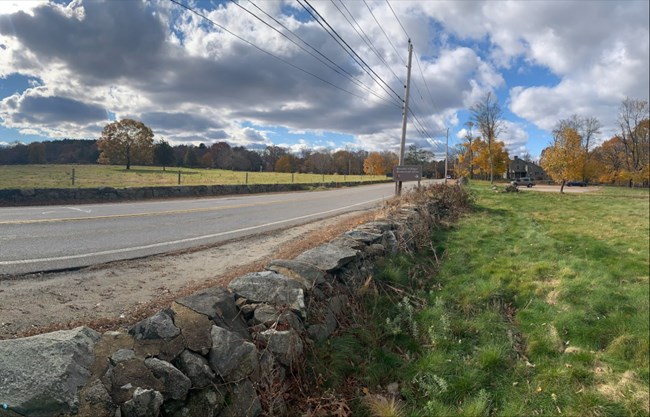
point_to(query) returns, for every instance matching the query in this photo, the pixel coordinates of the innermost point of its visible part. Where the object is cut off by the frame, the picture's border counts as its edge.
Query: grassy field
(88, 176)
(538, 307)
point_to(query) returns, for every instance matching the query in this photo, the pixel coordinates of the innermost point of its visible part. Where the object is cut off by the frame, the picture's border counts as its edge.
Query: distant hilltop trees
(219, 155)
(66, 151)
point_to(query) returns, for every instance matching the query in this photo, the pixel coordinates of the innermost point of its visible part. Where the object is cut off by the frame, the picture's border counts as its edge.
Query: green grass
(89, 176)
(539, 308)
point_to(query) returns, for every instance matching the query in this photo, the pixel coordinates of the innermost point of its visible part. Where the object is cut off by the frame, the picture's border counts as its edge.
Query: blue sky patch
(17, 83)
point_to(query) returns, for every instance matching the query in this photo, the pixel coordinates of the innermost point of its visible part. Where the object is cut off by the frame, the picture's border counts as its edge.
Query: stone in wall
(243, 401)
(328, 257)
(196, 367)
(124, 378)
(363, 236)
(303, 272)
(145, 403)
(158, 336)
(219, 305)
(272, 288)
(271, 316)
(207, 402)
(159, 326)
(285, 345)
(175, 384)
(195, 328)
(42, 375)
(231, 357)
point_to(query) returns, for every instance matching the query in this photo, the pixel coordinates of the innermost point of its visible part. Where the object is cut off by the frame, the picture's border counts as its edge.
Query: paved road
(35, 239)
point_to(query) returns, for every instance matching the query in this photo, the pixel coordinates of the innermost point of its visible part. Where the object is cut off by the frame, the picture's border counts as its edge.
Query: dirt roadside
(118, 294)
(556, 189)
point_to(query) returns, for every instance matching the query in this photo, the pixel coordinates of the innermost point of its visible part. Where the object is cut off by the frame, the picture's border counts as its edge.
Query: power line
(364, 36)
(334, 67)
(385, 34)
(419, 126)
(347, 48)
(398, 21)
(417, 60)
(426, 124)
(263, 50)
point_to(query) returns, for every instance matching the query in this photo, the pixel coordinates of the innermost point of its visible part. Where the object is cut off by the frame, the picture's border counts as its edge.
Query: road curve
(46, 238)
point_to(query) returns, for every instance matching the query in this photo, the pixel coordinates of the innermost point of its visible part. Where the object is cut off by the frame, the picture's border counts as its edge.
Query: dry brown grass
(380, 406)
(627, 389)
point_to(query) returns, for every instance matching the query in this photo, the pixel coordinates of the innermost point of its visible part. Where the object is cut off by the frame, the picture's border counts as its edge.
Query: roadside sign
(407, 173)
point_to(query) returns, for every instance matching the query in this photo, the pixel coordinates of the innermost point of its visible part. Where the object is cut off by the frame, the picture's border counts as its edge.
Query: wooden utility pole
(446, 155)
(407, 87)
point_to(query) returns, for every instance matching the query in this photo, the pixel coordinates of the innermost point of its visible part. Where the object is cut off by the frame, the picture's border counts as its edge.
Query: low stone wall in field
(218, 352)
(41, 196)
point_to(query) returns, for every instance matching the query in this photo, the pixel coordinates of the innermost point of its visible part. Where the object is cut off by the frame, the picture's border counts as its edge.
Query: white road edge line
(174, 242)
(69, 208)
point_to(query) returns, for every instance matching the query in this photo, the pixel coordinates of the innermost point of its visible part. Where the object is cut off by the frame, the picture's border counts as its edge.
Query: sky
(67, 68)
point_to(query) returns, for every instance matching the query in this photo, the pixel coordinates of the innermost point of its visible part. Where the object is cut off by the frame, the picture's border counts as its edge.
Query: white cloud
(192, 81)
(515, 137)
(13, 6)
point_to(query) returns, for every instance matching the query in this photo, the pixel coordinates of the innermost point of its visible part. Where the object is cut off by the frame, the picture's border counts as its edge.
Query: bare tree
(470, 138)
(633, 119)
(586, 127)
(526, 156)
(487, 116)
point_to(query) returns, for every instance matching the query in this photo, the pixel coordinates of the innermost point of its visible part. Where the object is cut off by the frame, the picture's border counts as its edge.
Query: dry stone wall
(40, 196)
(219, 352)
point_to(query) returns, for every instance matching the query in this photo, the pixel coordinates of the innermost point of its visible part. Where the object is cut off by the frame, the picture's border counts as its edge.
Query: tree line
(129, 142)
(622, 159)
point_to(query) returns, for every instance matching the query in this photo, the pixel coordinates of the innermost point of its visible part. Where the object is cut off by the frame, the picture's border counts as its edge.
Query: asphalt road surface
(46, 238)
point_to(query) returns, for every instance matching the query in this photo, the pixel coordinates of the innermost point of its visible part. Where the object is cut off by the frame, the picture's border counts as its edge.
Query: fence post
(246, 178)
(72, 176)
(292, 178)
(179, 177)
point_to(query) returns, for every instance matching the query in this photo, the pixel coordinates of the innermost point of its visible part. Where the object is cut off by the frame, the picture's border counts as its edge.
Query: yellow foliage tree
(481, 158)
(565, 159)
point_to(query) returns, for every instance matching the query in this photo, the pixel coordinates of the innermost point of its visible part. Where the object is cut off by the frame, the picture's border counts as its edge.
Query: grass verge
(539, 307)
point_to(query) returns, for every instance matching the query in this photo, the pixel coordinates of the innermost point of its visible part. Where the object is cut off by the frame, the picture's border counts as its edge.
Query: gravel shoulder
(115, 295)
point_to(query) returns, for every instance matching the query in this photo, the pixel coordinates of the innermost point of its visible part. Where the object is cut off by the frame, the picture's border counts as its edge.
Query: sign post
(403, 173)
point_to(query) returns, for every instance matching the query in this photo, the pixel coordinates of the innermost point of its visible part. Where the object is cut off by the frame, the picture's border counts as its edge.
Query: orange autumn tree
(126, 141)
(379, 163)
(610, 156)
(564, 160)
(481, 158)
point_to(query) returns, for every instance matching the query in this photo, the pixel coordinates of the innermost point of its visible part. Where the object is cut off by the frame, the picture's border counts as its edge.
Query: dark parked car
(576, 184)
